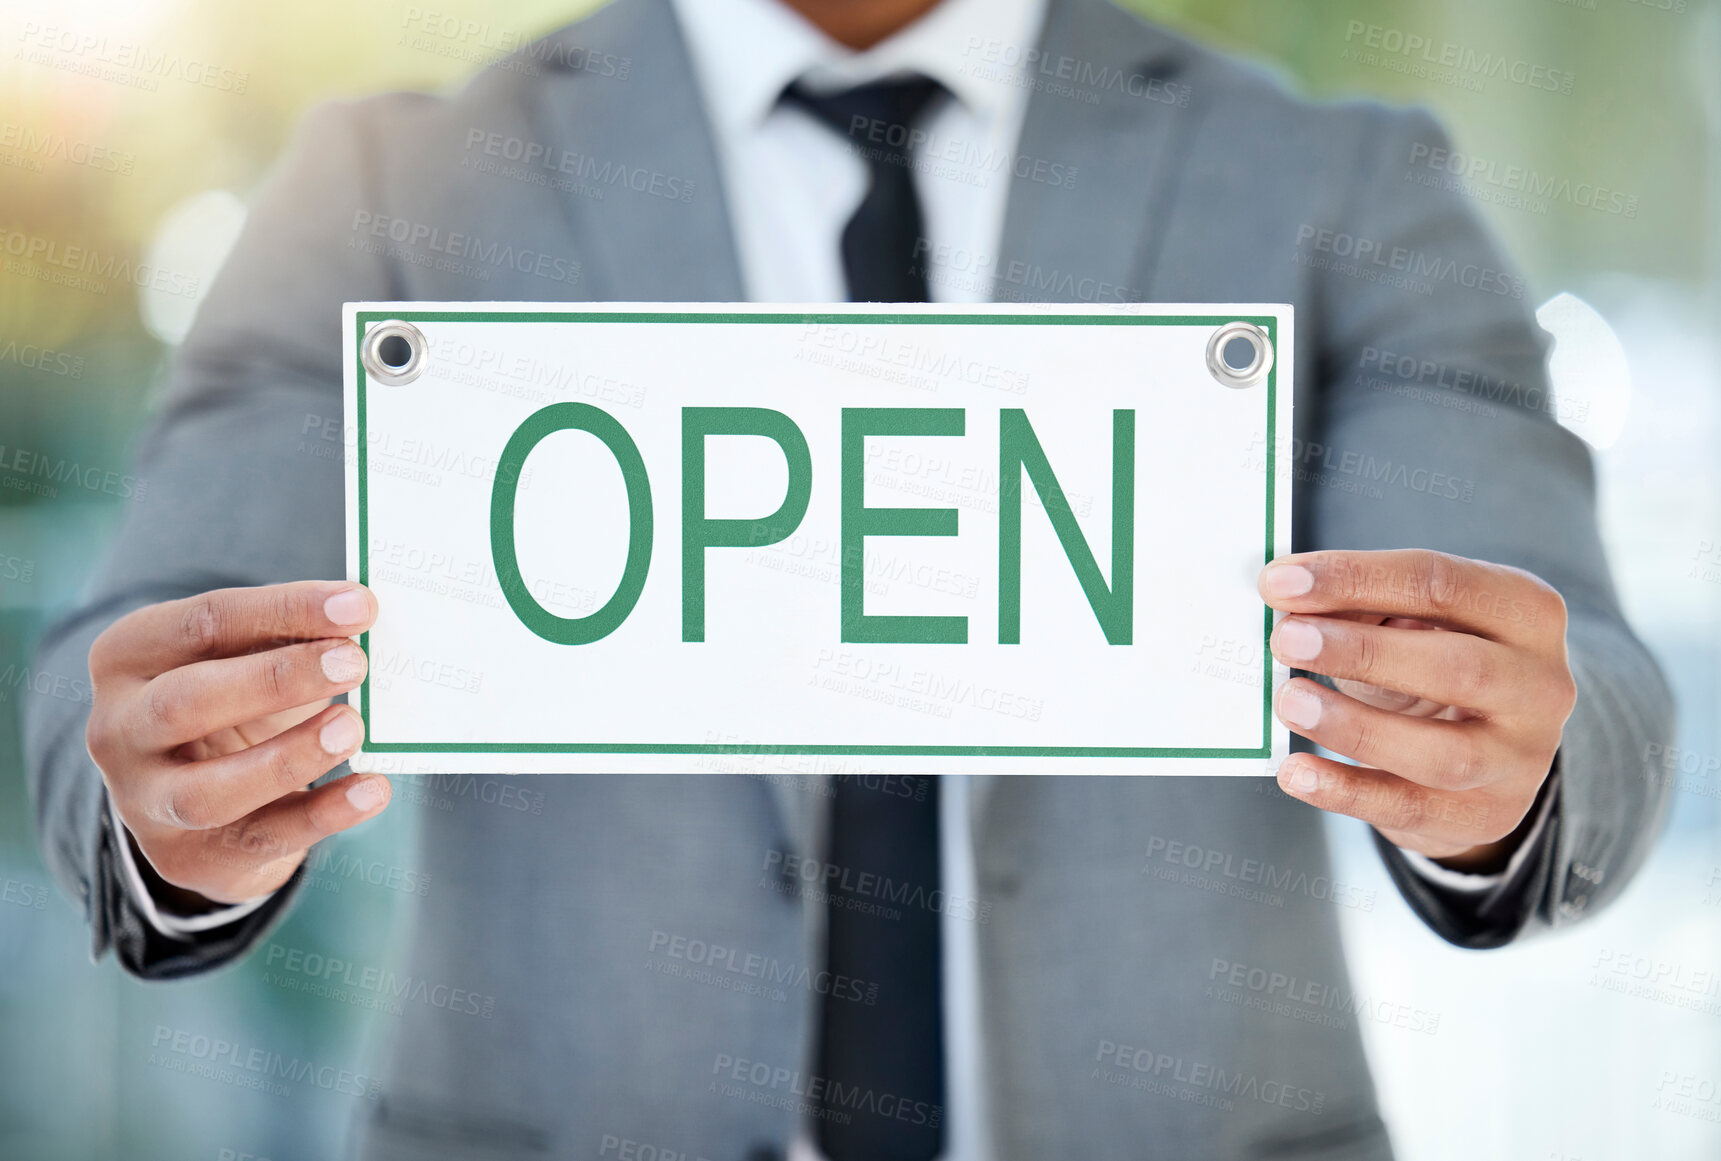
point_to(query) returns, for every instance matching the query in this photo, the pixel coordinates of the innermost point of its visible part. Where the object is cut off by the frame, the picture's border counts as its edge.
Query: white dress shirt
(792, 184)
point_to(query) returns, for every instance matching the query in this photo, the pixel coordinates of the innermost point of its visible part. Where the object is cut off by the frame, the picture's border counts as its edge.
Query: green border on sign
(1266, 322)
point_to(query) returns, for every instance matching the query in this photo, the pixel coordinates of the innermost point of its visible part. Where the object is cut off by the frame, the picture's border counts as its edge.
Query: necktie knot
(882, 242)
(878, 116)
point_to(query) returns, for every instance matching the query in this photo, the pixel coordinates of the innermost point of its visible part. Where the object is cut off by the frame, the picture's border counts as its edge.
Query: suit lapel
(660, 230)
(1120, 119)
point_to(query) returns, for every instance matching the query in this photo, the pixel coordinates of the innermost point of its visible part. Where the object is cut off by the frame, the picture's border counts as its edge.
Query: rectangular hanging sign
(1003, 539)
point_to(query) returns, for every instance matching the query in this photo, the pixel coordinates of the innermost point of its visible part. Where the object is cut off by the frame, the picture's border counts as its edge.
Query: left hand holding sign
(1452, 691)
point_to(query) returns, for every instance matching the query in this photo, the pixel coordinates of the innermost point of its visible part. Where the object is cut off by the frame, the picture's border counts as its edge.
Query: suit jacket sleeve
(240, 483)
(1435, 428)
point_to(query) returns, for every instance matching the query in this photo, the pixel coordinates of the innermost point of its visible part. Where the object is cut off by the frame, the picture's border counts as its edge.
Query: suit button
(1574, 907)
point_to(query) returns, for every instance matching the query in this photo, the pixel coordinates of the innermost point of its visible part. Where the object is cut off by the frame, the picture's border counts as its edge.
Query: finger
(1445, 823)
(228, 622)
(1489, 600)
(217, 792)
(1403, 703)
(1447, 668)
(1438, 754)
(257, 854)
(193, 701)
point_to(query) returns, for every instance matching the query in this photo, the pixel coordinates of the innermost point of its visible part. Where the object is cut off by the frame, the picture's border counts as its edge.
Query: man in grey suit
(1479, 669)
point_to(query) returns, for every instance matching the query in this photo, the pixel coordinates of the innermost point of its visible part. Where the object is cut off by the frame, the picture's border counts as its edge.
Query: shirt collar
(747, 52)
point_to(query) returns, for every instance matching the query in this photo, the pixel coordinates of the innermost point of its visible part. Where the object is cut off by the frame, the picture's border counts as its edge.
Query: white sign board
(977, 539)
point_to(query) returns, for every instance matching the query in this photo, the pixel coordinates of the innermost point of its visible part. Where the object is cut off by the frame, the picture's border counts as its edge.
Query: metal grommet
(394, 352)
(1259, 364)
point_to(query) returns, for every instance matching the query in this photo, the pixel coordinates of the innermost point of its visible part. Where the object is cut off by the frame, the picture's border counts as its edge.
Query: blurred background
(140, 136)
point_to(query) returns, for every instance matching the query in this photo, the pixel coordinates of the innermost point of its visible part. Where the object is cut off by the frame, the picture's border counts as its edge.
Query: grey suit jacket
(1097, 932)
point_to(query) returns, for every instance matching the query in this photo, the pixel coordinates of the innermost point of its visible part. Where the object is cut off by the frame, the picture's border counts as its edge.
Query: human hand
(213, 714)
(1452, 691)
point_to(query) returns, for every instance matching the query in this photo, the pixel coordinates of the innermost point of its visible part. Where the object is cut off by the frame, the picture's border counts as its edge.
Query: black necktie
(882, 1064)
(880, 241)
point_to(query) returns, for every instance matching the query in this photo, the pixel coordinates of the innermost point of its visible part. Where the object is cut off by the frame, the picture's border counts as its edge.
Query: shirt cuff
(1470, 884)
(165, 921)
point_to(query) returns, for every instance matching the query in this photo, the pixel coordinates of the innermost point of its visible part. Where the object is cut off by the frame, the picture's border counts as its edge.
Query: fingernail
(1299, 708)
(342, 734)
(1298, 640)
(1302, 779)
(366, 794)
(347, 607)
(1287, 580)
(344, 663)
